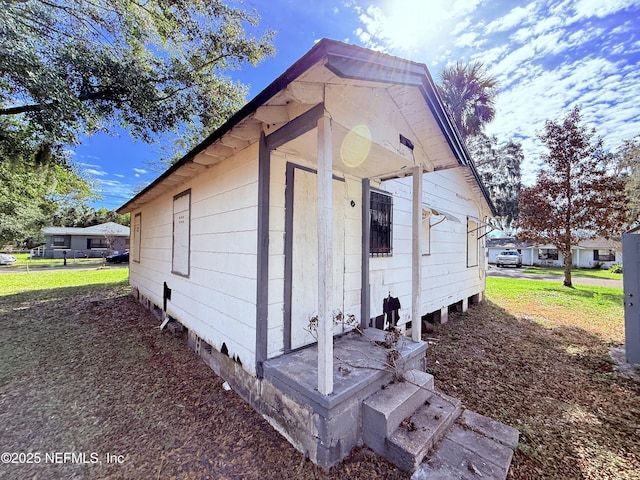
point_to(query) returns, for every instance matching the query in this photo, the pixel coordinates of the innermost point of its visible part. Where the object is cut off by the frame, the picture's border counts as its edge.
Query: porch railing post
(325, 257)
(416, 257)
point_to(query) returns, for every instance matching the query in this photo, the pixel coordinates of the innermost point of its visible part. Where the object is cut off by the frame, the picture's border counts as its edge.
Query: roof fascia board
(358, 69)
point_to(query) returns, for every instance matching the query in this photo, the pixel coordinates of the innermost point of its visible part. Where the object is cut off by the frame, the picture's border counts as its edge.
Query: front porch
(324, 427)
(381, 399)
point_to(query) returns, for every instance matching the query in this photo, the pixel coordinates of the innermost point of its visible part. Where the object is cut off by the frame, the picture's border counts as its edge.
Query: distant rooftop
(110, 228)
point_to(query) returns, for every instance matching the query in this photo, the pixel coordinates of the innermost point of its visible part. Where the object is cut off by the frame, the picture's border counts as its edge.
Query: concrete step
(383, 411)
(476, 447)
(408, 445)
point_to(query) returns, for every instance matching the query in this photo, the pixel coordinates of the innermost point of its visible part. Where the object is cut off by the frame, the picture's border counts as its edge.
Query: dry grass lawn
(85, 369)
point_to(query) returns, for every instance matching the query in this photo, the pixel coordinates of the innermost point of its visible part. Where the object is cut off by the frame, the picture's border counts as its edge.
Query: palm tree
(469, 92)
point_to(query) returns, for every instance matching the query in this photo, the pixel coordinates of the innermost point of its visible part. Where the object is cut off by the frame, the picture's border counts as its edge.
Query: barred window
(380, 233)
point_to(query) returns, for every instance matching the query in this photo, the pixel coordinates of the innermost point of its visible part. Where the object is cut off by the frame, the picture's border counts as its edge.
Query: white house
(342, 184)
(598, 252)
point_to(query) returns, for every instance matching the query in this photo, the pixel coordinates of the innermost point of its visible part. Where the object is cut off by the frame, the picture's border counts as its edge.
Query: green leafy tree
(469, 93)
(85, 216)
(33, 185)
(70, 68)
(499, 169)
(577, 195)
(74, 67)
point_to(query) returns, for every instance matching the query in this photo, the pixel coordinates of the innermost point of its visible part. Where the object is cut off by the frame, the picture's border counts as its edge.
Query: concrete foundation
(323, 427)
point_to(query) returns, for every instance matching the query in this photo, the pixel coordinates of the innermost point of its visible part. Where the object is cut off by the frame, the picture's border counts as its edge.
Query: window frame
(181, 266)
(552, 257)
(137, 235)
(59, 241)
(101, 243)
(610, 256)
(380, 241)
(473, 248)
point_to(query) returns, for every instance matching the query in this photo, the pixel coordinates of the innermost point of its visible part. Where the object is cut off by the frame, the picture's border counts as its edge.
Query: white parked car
(509, 257)
(6, 259)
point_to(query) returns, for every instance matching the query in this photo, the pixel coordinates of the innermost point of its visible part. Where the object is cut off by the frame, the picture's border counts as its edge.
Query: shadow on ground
(577, 418)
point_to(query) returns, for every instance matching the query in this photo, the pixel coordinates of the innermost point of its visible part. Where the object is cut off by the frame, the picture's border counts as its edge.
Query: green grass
(23, 262)
(597, 310)
(576, 272)
(17, 282)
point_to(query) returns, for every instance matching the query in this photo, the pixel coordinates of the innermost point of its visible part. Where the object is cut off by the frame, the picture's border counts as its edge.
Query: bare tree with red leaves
(576, 196)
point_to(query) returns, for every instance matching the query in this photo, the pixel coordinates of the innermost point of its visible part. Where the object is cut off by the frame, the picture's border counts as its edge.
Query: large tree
(85, 216)
(469, 93)
(35, 180)
(73, 67)
(628, 164)
(499, 169)
(577, 196)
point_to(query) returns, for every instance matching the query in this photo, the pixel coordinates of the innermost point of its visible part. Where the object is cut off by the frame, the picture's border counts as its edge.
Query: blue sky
(548, 56)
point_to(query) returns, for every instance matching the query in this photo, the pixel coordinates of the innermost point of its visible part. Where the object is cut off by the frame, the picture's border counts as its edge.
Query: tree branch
(37, 107)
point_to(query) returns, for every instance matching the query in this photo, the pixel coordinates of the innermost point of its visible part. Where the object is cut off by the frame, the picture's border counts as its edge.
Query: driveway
(512, 272)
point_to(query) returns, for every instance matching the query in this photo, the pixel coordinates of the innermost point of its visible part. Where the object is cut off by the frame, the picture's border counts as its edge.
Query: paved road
(512, 272)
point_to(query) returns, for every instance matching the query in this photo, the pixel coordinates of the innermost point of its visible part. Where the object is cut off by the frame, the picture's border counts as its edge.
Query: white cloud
(97, 173)
(601, 8)
(593, 83)
(412, 26)
(466, 40)
(517, 16)
(139, 170)
(548, 56)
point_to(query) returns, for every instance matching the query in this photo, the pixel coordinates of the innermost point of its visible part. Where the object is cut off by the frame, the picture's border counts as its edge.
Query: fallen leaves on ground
(556, 384)
(87, 370)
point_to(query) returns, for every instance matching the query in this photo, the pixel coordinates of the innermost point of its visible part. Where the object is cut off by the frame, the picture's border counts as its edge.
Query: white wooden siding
(275, 332)
(218, 299)
(446, 279)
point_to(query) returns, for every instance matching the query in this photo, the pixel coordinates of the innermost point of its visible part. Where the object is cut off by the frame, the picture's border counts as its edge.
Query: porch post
(416, 257)
(325, 257)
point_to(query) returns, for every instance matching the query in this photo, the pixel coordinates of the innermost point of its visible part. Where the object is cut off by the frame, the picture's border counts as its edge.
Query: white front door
(304, 273)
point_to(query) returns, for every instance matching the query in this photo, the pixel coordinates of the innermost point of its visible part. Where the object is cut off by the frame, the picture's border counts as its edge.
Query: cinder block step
(383, 411)
(465, 454)
(490, 428)
(175, 327)
(411, 441)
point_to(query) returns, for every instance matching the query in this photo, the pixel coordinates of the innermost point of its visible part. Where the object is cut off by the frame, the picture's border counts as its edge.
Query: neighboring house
(342, 184)
(497, 245)
(599, 252)
(94, 241)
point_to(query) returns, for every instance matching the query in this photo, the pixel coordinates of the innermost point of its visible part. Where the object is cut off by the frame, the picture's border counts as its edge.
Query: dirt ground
(87, 371)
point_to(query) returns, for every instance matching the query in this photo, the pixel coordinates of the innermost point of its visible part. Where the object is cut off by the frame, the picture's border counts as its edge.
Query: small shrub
(617, 268)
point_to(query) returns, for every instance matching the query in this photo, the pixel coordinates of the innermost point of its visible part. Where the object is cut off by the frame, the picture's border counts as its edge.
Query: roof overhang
(332, 74)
